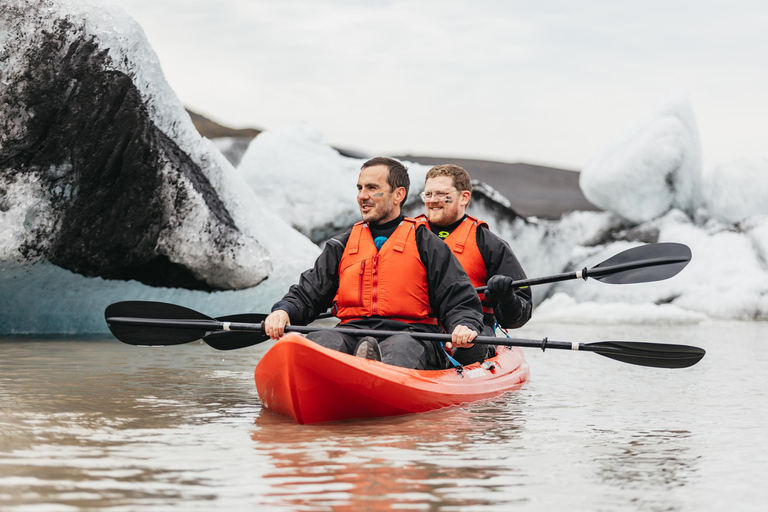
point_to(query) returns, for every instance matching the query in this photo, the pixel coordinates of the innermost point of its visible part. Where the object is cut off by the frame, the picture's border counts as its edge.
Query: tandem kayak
(312, 384)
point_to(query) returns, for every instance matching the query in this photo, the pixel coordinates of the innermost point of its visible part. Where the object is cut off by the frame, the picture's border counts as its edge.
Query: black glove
(500, 289)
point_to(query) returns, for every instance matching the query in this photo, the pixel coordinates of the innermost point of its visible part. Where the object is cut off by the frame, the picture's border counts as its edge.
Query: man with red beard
(388, 272)
(487, 259)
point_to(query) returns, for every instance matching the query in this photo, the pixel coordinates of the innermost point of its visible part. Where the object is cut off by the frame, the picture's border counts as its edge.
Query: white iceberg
(736, 190)
(562, 308)
(651, 167)
(306, 182)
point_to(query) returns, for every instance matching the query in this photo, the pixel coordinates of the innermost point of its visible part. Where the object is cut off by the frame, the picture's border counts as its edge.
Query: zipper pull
(362, 268)
(375, 263)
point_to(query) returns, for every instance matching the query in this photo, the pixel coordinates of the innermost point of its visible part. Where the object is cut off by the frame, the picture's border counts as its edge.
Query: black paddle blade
(644, 264)
(656, 355)
(232, 340)
(153, 335)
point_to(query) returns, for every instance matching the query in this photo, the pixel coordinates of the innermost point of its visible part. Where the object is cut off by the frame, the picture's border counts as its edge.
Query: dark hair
(460, 177)
(398, 173)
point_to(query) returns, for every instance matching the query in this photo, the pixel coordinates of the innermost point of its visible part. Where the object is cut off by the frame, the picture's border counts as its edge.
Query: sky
(546, 82)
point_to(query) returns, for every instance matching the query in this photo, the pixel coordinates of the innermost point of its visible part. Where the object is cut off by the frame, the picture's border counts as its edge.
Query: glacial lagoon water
(93, 424)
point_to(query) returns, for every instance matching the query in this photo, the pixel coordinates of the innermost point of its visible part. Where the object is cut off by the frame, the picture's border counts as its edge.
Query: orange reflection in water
(453, 457)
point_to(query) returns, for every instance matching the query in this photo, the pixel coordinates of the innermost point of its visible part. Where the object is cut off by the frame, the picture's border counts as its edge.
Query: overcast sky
(547, 82)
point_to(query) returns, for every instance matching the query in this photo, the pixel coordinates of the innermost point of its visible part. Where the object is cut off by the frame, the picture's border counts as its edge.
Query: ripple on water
(98, 424)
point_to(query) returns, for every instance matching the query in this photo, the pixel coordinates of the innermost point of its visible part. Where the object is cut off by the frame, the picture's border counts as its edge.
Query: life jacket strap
(462, 234)
(353, 244)
(401, 235)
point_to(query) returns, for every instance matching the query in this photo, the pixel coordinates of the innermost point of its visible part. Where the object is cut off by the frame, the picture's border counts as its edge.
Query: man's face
(444, 204)
(378, 203)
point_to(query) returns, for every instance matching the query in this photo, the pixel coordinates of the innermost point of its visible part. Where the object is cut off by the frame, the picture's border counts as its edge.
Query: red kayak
(312, 384)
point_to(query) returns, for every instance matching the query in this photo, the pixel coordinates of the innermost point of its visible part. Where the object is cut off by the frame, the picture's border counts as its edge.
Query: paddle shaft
(158, 324)
(594, 272)
(213, 325)
(647, 263)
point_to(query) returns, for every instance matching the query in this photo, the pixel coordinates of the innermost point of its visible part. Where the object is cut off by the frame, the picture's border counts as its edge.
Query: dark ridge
(481, 197)
(89, 136)
(533, 190)
(213, 130)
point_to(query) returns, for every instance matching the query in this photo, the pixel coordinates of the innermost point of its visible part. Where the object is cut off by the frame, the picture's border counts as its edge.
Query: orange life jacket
(390, 282)
(463, 244)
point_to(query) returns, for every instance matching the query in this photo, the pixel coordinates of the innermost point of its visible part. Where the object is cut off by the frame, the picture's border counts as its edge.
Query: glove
(500, 289)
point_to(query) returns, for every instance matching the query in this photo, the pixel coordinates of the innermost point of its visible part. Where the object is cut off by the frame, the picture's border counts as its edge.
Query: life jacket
(463, 244)
(390, 282)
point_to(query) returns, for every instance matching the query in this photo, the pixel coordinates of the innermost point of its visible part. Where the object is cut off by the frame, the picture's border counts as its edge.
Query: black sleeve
(500, 260)
(453, 299)
(317, 286)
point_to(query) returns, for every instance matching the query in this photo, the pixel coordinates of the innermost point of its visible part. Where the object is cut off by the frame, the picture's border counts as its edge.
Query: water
(95, 424)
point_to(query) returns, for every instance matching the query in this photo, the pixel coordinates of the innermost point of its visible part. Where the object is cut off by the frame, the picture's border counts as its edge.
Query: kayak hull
(312, 384)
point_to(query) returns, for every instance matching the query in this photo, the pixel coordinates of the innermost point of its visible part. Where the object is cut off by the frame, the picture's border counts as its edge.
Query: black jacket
(500, 260)
(451, 295)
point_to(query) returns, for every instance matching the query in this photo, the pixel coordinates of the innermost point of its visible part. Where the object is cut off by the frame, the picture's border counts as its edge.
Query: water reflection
(646, 467)
(443, 459)
(658, 459)
(97, 424)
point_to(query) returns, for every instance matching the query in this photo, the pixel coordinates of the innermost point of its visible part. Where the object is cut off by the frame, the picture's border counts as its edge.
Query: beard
(376, 214)
(439, 217)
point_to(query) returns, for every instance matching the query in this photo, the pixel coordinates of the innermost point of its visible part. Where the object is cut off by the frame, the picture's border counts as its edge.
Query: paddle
(158, 324)
(229, 340)
(643, 264)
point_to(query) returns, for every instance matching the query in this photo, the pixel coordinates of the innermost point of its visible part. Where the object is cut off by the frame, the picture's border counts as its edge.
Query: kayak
(312, 384)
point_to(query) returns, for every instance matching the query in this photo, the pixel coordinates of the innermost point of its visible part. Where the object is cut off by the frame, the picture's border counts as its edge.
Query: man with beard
(388, 272)
(487, 259)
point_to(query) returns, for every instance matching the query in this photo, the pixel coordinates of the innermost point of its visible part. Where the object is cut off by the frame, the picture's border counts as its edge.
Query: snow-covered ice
(294, 172)
(562, 308)
(651, 167)
(736, 190)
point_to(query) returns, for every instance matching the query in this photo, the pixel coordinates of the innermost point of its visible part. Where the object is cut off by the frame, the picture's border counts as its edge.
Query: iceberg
(562, 308)
(102, 170)
(727, 277)
(103, 177)
(651, 167)
(308, 183)
(651, 178)
(736, 190)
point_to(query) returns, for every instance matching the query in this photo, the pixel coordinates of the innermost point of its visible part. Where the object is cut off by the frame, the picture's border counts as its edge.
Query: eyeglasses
(439, 196)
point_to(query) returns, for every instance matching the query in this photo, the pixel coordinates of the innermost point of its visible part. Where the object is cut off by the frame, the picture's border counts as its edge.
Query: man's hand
(274, 324)
(461, 337)
(500, 288)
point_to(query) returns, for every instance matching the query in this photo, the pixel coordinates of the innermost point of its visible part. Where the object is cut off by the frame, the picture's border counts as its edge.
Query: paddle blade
(153, 335)
(656, 355)
(232, 340)
(644, 264)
